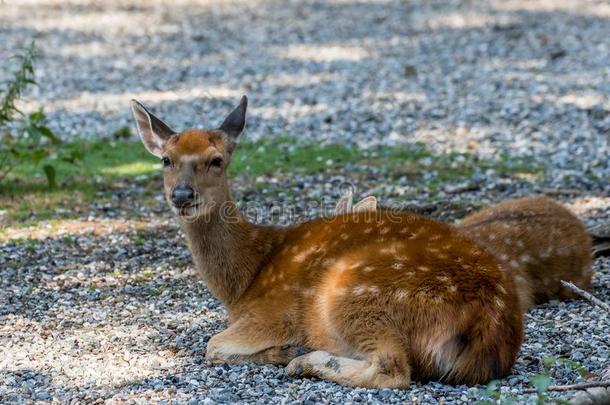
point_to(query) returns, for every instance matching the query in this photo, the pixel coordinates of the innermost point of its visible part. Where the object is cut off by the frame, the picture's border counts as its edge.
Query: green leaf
(492, 390)
(541, 382)
(47, 133)
(77, 154)
(33, 133)
(582, 371)
(38, 155)
(548, 361)
(49, 171)
(36, 117)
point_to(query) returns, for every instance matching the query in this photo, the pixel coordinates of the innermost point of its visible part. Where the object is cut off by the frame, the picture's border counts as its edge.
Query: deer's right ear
(153, 132)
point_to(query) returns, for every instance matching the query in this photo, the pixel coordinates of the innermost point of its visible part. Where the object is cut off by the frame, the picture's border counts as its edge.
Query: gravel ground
(104, 308)
(101, 307)
(528, 77)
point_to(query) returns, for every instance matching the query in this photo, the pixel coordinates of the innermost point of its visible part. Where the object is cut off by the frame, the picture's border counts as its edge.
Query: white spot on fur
(423, 268)
(546, 253)
(359, 290)
(302, 256)
(499, 303)
(355, 265)
(388, 251)
(514, 264)
(525, 258)
(401, 294)
(373, 290)
(385, 230)
(397, 266)
(368, 230)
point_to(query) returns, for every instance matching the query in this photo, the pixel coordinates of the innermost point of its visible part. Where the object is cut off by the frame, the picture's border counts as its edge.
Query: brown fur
(378, 298)
(540, 241)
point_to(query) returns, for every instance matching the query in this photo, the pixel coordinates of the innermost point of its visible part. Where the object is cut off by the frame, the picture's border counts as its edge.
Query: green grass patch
(112, 165)
(288, 156)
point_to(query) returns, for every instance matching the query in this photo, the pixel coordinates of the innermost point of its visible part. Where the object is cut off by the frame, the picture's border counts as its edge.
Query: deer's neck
(229, 251)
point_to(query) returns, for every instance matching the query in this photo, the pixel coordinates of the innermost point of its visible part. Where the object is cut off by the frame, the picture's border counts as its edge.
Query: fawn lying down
(360, 299)
(539, 241)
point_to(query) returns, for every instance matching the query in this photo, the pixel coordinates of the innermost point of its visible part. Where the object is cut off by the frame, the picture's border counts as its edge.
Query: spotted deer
(539, 241)
(359, 299)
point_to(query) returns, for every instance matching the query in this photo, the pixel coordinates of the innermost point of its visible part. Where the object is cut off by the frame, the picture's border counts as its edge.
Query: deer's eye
(216, 162)
(166, 162)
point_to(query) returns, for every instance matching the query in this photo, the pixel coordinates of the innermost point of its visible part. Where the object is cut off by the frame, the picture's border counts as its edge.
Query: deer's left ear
(235, 121)
(153, 132)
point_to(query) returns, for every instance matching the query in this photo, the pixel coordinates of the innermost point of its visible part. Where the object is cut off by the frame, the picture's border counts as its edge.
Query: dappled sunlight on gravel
(76, 227)
(87, 356)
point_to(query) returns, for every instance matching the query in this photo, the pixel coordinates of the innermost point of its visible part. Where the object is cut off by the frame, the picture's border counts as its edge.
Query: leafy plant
(540, 382)
(25, 138)
(550, 361)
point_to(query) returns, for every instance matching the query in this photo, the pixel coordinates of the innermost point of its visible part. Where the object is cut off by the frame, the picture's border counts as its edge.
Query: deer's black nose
(182, 196)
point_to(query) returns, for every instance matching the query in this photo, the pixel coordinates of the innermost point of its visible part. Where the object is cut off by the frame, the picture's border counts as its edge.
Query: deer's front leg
(244, 341)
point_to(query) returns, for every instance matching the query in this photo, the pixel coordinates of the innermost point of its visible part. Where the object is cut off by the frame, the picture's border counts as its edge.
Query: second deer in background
(540, 241)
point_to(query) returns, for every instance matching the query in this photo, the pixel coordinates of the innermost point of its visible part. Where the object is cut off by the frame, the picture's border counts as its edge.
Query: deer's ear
(344, 205)
(366, 204)
(153, 132)
(236, 120)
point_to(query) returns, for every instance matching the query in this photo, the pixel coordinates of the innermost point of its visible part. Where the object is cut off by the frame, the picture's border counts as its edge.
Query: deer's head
(194, 161)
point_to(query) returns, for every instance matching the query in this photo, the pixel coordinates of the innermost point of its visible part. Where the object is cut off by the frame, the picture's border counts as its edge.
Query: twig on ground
(588, 296)
(562, 191)
(601, 249)
(571, 387)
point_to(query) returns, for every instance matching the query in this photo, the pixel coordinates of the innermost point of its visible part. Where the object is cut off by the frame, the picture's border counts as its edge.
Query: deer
(362, 300)
(540, 241)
